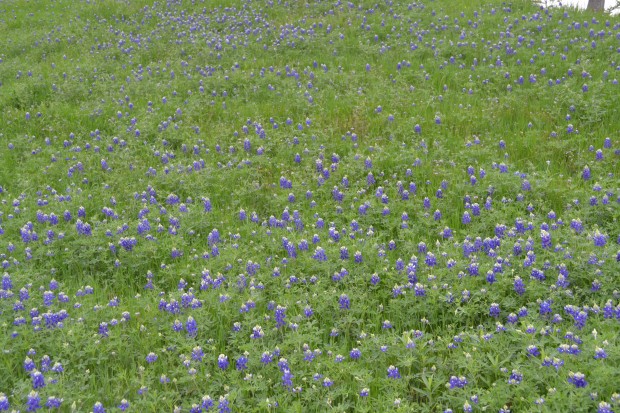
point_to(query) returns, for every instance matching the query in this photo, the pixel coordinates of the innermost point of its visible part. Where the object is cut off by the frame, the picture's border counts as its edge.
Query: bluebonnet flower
(38, 380)
(4, 402)
(103, 329)
(358, 257)
(316, 239)
(127, 243)
(516, 377)
(608, 310)
(257, 332)
(177, 326)
(98, 408)
(191, 326)
(34, 401)
(537, 274)
(600, 353)
(57, 368)
(344, 302)
(457, 382)
(586, 174)
(426, 203)
(421, 247)
(599, 239)
(319, 254)
(490, 277)
(397, 290)
(365, 392)
(124, 405)
(562, 282)
(475, 209)
(53, 402)
(466, 218)
(555, 362)
(338, 359)
(29, 364)
(206, 402)
(532, 350)
(222, 361)
(370, 179)
(430, 259)
(576, 225)
(563, 348)
(393, 373)
(7, 283)
(266, 357)
(494, 310)
(287, 378)
(473, 269)
(48, 298)
(280, 315)
(83, 228)
(577, 379)
(545, 238)
(151, 358)
(545, 307)
(24, 294)
(223, 405)
(580, 319)
(197, 353)
(570, 336)
(242, 361)
(604, 407)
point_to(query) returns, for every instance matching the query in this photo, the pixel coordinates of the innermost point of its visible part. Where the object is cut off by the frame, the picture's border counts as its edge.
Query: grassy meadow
(309, 206)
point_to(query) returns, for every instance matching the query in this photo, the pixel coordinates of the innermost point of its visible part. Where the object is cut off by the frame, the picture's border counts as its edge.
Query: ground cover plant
(309, 206)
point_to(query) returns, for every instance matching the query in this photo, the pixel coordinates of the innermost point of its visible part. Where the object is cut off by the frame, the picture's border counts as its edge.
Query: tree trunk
(596, 5)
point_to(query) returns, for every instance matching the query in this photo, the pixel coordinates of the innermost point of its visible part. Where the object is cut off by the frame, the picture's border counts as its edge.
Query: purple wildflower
(34, 401)
(577, 379)
(393, 373)
(222, 362)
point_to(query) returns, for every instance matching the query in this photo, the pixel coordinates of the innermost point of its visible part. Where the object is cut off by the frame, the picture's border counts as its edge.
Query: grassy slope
(84, 64)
